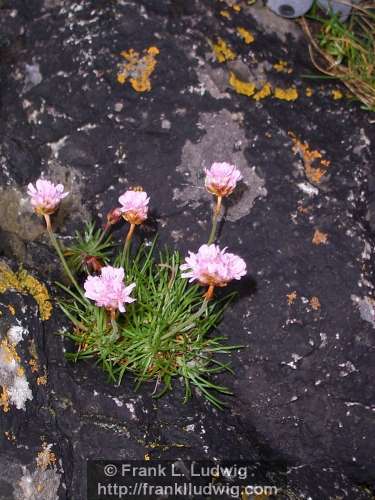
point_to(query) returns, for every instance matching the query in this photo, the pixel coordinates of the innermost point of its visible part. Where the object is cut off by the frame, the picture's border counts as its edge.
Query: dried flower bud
(93, 263)
(113, 216)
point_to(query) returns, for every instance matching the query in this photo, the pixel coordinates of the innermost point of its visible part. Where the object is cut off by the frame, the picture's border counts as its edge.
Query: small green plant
(345, 50)
(166, 331)
(165, 334)
(90, 251)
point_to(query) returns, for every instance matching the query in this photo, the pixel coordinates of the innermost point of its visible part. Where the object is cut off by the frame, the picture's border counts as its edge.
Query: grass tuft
(165, 335)
(345, 50)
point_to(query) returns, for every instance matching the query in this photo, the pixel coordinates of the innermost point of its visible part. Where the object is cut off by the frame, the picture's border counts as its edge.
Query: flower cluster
(108, 290)
(166, 332)
(45, 197)
(222, 178)
(212, 266)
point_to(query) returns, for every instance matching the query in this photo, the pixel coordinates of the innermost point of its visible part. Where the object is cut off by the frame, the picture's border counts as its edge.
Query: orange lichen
(291, 297)
(320, 238)
(246, 36)
(138, 68)
(314, 174)
(337, 94)
(314, 303)
(23, 282)
(33, 363)
(4, 399)
(45, 457)
(282, 67)
(244, 88)
(10, 436)
(264, 92)
(289, 94)
(222, 51)
(42, 380)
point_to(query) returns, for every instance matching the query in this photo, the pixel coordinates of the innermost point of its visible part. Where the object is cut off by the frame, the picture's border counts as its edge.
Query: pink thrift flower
(45, 197)
(212, 266)
(134, 206)
(108, 290)
(221, 178)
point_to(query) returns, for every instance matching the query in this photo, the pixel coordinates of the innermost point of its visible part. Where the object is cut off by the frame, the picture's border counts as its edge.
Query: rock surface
(303, 386)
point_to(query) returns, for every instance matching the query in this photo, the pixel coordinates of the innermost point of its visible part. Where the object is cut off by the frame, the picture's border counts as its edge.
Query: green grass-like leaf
(167, 334)
(91, 243)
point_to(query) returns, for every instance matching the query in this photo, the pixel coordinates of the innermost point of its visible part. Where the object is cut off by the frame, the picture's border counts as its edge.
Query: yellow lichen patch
(46, 457)
(282, 67)
(222, 51)
(236, 7)
(337, 94)
(264, 92)
(289, 94)
(320, 238)
(309, 92)
(9, 352)
(23, 282)
(225, 13)
(138, 68)
(4, 399)
(314, 174)
(244, 88)
(291, 297)
(314, 303)
(11, 309)
(246, 36)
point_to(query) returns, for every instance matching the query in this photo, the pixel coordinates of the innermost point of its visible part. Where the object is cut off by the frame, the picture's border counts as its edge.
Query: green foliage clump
(166, 334)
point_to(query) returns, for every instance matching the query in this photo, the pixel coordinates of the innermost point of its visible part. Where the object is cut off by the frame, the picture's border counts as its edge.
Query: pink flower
(108, 290)
(221, 178)
(212, 266)
(45, 197)
(134, 206)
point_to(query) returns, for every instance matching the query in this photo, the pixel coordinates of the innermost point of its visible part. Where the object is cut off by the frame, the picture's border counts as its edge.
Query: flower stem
(104, 232)
(113, 322)
(215, 217)
(47, 218)
(60, 253)
(210, 293)
(125, 253)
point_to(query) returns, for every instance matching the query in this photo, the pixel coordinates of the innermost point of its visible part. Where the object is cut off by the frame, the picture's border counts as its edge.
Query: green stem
(114, 323)
(215, 217)
(104, 232)
(125, 253)
(56, 245)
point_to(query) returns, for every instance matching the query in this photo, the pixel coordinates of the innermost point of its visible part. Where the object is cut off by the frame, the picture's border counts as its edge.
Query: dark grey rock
(303, 387)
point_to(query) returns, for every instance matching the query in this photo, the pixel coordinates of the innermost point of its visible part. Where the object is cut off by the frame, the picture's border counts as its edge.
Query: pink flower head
(45, 197)
(212, 266)
(134, 206)
(108, 290)
(221, 178)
